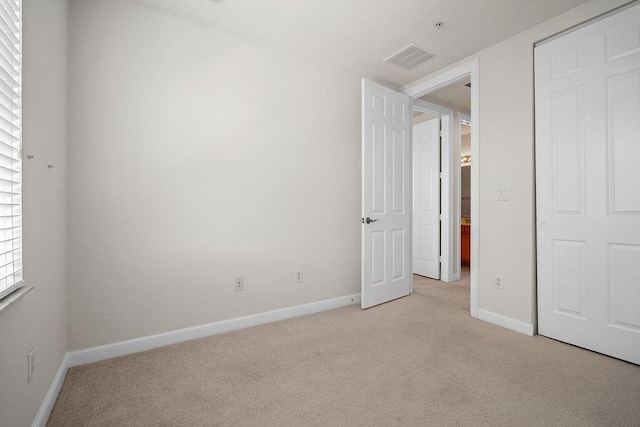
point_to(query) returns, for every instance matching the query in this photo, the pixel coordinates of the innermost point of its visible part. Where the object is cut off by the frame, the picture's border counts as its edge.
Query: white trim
(462, 119)
(506, 322)
(586, 23)
(429, 107)
(475, 186)
(421, 88)
(15, 295)
(416, 90)
(52, 395)
(122, 348)
(446, 201)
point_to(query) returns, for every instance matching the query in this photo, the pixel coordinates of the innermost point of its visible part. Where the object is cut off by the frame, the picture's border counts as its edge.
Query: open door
(426, 198)
(386, 194)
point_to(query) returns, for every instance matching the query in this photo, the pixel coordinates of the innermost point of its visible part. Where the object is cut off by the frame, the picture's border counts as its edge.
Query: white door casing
(449, 210)
(450, 216)
(426, 198)
(386, 194)
(587, 177)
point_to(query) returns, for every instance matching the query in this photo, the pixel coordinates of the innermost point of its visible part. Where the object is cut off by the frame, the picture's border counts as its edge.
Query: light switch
(502, 194)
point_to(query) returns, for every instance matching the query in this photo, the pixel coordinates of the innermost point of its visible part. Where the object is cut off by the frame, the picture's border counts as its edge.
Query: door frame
(446, 266)
(461, 119)
(424, 87)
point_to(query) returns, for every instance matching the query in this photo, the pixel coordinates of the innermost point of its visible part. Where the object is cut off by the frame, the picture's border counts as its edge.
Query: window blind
(10, 145)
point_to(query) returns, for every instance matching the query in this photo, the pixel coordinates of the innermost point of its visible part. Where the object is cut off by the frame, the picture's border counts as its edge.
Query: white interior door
(587, 177)
(426, 198)
(386, 194)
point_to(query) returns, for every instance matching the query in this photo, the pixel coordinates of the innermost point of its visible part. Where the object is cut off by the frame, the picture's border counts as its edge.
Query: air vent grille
(409, 57)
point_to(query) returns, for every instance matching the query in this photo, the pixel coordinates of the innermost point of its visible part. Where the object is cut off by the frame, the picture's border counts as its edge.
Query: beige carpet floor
(417, 361)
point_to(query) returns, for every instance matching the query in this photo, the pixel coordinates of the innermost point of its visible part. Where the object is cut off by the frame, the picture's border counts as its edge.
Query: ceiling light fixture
(439, 25)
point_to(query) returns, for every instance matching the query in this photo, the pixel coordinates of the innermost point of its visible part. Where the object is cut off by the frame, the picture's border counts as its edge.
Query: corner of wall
(39, 319)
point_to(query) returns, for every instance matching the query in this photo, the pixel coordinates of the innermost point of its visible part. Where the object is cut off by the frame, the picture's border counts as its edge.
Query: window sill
(14, 296)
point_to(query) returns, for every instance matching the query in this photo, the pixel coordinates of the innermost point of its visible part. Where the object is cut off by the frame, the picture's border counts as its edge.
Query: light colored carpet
(419, 360)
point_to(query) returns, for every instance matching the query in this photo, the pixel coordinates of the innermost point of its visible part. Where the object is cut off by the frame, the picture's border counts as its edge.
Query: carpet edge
(136, 345)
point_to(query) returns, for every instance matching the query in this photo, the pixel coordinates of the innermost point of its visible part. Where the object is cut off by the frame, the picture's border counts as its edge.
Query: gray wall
(195, 157)
(38, 320)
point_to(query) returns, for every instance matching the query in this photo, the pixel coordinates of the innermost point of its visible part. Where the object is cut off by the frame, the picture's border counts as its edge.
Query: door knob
(369, 220)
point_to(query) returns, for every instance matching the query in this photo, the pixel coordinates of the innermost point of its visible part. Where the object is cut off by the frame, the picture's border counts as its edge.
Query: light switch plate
(502, 194)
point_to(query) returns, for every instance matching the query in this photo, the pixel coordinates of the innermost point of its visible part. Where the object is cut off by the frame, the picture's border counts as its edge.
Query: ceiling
(359, 34)
(457, 96)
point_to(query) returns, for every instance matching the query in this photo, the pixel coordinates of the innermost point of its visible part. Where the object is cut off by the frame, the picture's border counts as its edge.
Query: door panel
(569, 279)
(624, 149)
(426, 199)
(587, 198)
(624, 276)
(568, 151)
(386, 186)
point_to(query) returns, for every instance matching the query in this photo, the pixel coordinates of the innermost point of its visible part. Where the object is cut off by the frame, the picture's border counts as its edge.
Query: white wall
(507, 229)
(38, 320)
(196, 156)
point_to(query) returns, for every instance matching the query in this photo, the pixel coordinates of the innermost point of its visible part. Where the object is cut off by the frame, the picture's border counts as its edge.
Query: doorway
(431, 91)
(464, 141)
(431, 131)
(387, 199)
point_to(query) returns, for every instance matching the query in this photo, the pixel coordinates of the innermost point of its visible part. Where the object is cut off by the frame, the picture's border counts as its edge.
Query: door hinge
(441, 133)
(440, 217)
(440, 258)
(440, 175)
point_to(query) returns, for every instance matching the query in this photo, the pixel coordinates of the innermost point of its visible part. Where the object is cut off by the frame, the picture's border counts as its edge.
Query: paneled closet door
(587, 85)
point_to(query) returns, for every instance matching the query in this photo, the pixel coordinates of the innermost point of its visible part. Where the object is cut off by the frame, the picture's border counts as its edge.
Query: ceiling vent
(409, 57)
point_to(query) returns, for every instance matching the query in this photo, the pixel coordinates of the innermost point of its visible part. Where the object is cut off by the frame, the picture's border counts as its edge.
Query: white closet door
(588, 186)
(386, 194)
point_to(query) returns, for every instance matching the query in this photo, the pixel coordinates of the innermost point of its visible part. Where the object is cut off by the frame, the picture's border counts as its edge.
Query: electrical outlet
(298, 276)
(239, 284)
(499, 282)
(30, 364)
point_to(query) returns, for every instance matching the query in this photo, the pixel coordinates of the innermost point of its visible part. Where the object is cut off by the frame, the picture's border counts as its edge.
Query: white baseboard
(50, 399)
(122, 348)
(506, 322)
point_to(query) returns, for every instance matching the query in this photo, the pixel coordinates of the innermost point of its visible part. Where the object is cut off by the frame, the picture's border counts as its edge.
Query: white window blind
(10, 145)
